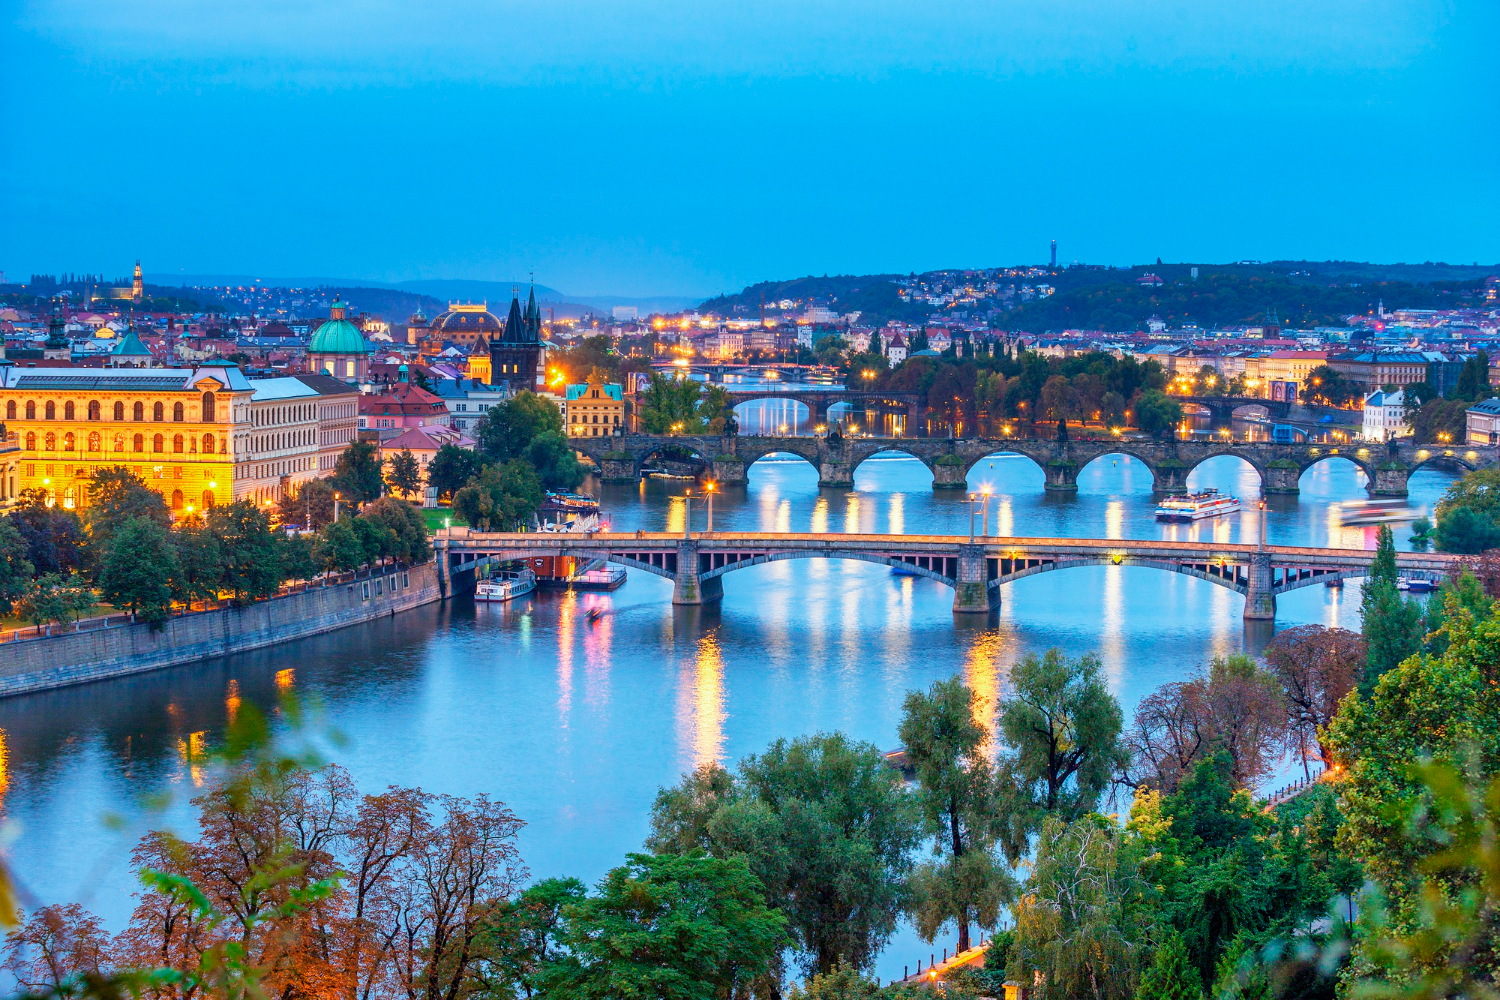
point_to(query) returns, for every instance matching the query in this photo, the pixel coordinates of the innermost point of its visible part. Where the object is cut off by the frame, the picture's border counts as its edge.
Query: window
(31, 409)
(119, 442)
(176, 499)
(208, 499)
(68, 441)
(95, 410)
(177, 441)
(139, 443)
(208, 408)
(50, 441)
(138, 412)
(31, 440)
(51, 413)
(349, 370)
(208, 444)
(10, 410)
(158, 413)
(96, 440)
(177, 412)
(158, 444)
(68, 410)
(119, 411)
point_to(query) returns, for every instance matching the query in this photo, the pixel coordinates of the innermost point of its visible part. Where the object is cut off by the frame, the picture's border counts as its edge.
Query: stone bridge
(1280, 466)
(1222, 407)
(975, 567)
(818, 401)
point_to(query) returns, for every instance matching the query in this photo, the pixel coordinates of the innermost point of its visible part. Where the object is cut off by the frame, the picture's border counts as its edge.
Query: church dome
(338, 335)
(464, 321)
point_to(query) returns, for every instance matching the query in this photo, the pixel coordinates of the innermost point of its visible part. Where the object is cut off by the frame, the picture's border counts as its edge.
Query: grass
(438, 516)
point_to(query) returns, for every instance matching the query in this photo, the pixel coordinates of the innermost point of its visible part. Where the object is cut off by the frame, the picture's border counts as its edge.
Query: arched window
(31, 440)
(119, 442)
(177, 443)
(95, 410)
(68, 441)
(176, 499)
(208, 499)
(51, 413)
(158, 444)
(95, 440)
(139, 443)
(50, 442)
(138, 412)
(208, 444)
(31, 409)
(208, 408)
(69, 500)
(158, 413)
(119, 411)
(10, 409)
(177, 412)
(68, 410)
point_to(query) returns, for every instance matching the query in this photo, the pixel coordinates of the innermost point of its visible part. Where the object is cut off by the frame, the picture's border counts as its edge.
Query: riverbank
(47, 662)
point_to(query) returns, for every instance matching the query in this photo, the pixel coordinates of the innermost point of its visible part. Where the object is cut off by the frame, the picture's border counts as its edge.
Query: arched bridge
(818, 401)
(974, 568)
(1280, 466)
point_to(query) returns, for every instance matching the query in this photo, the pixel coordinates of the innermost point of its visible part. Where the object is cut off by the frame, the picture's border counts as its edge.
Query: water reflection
(700, 699)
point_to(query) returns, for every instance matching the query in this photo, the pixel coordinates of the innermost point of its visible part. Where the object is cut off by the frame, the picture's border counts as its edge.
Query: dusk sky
(642, 147)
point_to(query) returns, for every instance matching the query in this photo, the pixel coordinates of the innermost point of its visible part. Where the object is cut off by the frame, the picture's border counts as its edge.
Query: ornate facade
(518, 358)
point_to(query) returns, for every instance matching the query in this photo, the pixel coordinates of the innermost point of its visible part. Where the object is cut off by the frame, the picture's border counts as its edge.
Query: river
(576, 725)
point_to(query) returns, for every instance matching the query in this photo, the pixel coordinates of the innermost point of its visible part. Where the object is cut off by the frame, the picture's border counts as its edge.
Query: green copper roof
(338, 336)
(131, 345)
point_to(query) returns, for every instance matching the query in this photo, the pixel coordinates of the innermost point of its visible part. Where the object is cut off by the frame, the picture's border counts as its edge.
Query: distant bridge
(819, 400)
(974, 567)
(1387, 466)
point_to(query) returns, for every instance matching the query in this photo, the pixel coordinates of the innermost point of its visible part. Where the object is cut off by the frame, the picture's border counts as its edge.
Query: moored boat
(505, 585)
(607, 577)
(1195, 506)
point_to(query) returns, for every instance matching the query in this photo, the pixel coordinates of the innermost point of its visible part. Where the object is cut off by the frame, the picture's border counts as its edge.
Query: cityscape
(649, 503)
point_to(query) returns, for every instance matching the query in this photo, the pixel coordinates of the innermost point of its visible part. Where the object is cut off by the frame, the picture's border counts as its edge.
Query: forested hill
(1301, 293)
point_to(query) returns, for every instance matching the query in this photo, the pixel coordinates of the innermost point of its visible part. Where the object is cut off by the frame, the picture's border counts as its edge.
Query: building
(130, 353)
(1482, 422)
(895, 349)
(338, 349)
(401, 406)
(178, 429)
(477, 364)
(423, 443)
(467, 399)
(594, 409)
(1384, 416)
(462, 325)
(518, 359)
(299, 425)
(1372, 370)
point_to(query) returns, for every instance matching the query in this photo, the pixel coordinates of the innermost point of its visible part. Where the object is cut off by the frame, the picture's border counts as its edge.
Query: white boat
(1354, 512)
(505, 585)
(1196, 506)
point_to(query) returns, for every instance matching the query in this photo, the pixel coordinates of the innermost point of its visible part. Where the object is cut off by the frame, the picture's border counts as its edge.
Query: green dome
(338, 336)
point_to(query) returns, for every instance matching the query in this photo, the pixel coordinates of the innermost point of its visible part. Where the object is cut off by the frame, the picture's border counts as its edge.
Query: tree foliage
(357, 474)
(138, 569)
(501, 497)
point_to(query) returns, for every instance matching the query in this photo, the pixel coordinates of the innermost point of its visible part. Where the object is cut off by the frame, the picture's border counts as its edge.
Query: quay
(975, 567)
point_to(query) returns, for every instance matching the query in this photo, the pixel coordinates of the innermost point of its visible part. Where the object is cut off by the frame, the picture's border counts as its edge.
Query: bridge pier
(729, 470)
(1281, 477)
(1390, 480)
(972, 593)
(1260, 602)
(1169, 476)
(835, 472)
(613, 468)
(1062, 476)
(948, 473)
(687, 587)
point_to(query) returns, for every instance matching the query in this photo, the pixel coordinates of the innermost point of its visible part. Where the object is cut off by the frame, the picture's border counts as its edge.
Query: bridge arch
(926, 570)
(1128, 453)
(973, 463)
(892, 447)
(1241, 460)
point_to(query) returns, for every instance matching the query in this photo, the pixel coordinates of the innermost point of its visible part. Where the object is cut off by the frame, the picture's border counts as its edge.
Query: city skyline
(640, 152)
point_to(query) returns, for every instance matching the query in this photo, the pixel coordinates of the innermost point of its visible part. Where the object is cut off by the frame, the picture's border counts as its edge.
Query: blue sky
(665, 147)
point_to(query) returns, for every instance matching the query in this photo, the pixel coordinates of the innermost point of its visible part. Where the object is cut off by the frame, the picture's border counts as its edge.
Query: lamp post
(971, 498)
(687, 513)
(709, 489)
(336, 497)
(1262, 522)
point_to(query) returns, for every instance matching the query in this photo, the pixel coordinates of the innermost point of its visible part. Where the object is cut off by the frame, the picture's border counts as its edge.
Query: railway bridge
(975, 568)
(1280, 466)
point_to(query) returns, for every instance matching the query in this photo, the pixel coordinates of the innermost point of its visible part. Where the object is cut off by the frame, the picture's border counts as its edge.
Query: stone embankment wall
(78, 657)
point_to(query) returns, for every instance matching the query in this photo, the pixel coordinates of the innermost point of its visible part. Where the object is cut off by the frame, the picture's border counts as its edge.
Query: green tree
(842, 983)
(405, 474)
(554, 461)
(1462, 530)
(138, 569)
(376, 540)
(1328, 387)
(450, 469)
(55, 597)
(1157, 414)
(668, 927)
(1474, 379)
(1062, 728)
(827, 829)
(671, 406)
(116, 494)
(520, 936)
(407, 526)
(338, 547)
(310, 507)
(248, 548)
(16, 569)
(1391, 625)
(965, 883)
(199, 563)
(1171, 975)
(507, 429)
(296, 556)
(357, 474)
(54, 537)
(501, 497)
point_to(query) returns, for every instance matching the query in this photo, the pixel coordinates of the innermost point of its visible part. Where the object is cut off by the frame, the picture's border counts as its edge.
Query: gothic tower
(516, 356)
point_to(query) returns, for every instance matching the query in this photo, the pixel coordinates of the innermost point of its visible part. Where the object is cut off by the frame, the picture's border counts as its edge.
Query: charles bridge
(975, 567)
(1280, 466)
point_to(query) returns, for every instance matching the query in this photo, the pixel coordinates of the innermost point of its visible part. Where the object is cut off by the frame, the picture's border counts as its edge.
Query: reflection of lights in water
(1112, 634)
(567, 610)
(4, 765)
(1114, 519)
(769, 501)
(783, 517)
(285, 679)
(1224, 606)
(596, 645)
(232, 700)
(191, 752)
(982, 675)
(851, 515)
(820, 516)
(1333, 601)
(700, 704)
(1005, 515)
(896, 519)
(676, 514)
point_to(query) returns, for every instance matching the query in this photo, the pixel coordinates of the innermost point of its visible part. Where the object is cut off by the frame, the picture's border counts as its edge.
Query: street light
(336, 497)
(687, 513)
(708, 488)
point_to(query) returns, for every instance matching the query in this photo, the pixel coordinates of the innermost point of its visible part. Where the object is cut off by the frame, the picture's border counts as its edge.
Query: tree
(501, 497)
(554, 461)
(843, 983)
(1391, 625)
(1328, 387)
(357, 474)
(1171, 975)
(1157, 414)
(55, 597)
(1062, 730)
(667, 926)
(671, 406)
(54, 536)
(450, 469)
(827, 829)
(248, 548)
(199, 564)
(407, 526)
(310, 507)
(521, 936)
(1316, 667)
(116, 494)
(1465, 530)
(57, 950)
(138, 570)
(296, 556)
(338, 547)
(406, 474)
(965, 883)
(16, 569)
(507, 429)
(376, 540)
(1474, 379)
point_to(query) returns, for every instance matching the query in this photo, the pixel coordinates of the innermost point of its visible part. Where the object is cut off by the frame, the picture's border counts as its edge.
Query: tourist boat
(505, 585)
(1415, 586)
(568, 502)
(1195, 506)
(606, 577)
(1355, 512)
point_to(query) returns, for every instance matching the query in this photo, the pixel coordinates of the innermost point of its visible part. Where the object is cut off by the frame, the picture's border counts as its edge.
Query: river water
(576, 725)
